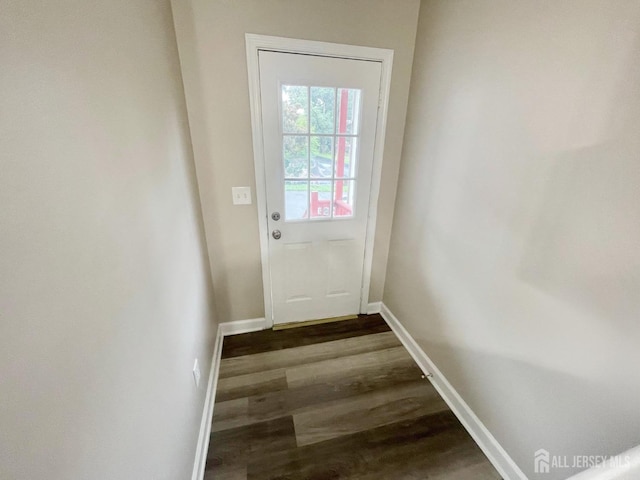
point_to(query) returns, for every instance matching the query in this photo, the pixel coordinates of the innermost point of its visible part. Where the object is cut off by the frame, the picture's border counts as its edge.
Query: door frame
(256, 43)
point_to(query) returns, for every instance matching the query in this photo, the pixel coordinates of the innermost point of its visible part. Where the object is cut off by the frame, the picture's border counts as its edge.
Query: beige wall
(212, 51)
(515, 253)
(105, 291)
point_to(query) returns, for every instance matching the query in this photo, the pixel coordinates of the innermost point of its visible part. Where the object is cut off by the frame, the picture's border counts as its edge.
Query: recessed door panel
(298, 260)
(343, 267)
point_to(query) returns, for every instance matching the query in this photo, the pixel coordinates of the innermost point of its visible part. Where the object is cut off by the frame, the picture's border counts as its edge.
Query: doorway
(317, 122)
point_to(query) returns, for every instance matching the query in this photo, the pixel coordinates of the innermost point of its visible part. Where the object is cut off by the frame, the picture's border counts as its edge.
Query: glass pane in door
(295, 109)
(320, 128)
(348, 119)
(321, 157)
(296, 200)
(320, 203)
(346, 157)
(295, 152)
(344, 198)
(323, 110)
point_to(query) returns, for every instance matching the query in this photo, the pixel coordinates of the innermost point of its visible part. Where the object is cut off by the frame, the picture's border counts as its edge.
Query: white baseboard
(487, 442)
(224, 330)
(243, 326)
(207, 413)
(374, 307)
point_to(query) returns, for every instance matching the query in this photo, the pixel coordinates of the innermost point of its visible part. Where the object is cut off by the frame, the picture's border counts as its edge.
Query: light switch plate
(241, 195)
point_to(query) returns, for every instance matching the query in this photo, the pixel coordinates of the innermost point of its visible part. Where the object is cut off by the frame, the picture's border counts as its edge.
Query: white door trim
(255, 43)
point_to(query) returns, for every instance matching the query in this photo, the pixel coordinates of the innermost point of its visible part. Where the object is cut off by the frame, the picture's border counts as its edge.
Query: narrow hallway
(178, 173)
(339, 400)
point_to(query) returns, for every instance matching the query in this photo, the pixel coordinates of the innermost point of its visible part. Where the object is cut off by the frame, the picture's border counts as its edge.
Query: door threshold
(308, 323)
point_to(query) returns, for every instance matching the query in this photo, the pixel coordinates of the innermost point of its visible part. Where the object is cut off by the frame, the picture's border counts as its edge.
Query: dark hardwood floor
(341, 400)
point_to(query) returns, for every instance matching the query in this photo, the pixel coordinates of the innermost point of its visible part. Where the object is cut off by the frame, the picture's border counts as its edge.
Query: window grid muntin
(333, 179)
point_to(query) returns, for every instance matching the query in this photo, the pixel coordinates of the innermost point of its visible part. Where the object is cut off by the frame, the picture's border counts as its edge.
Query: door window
(320, 129)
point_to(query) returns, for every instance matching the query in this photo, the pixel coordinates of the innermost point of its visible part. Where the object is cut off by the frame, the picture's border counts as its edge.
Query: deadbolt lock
(275, 216)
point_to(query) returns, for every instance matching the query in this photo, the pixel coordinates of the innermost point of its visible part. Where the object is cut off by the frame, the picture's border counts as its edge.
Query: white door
(319, 117)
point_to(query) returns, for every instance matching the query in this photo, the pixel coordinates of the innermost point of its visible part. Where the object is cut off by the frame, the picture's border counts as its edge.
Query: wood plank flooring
(335, 401)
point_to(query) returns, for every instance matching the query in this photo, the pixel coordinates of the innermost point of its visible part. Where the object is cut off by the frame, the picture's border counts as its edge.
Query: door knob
(276, 234)
(275, 216)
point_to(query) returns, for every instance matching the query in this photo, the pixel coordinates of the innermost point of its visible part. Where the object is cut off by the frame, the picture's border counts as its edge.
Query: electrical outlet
(196, 373)
(241, 195)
